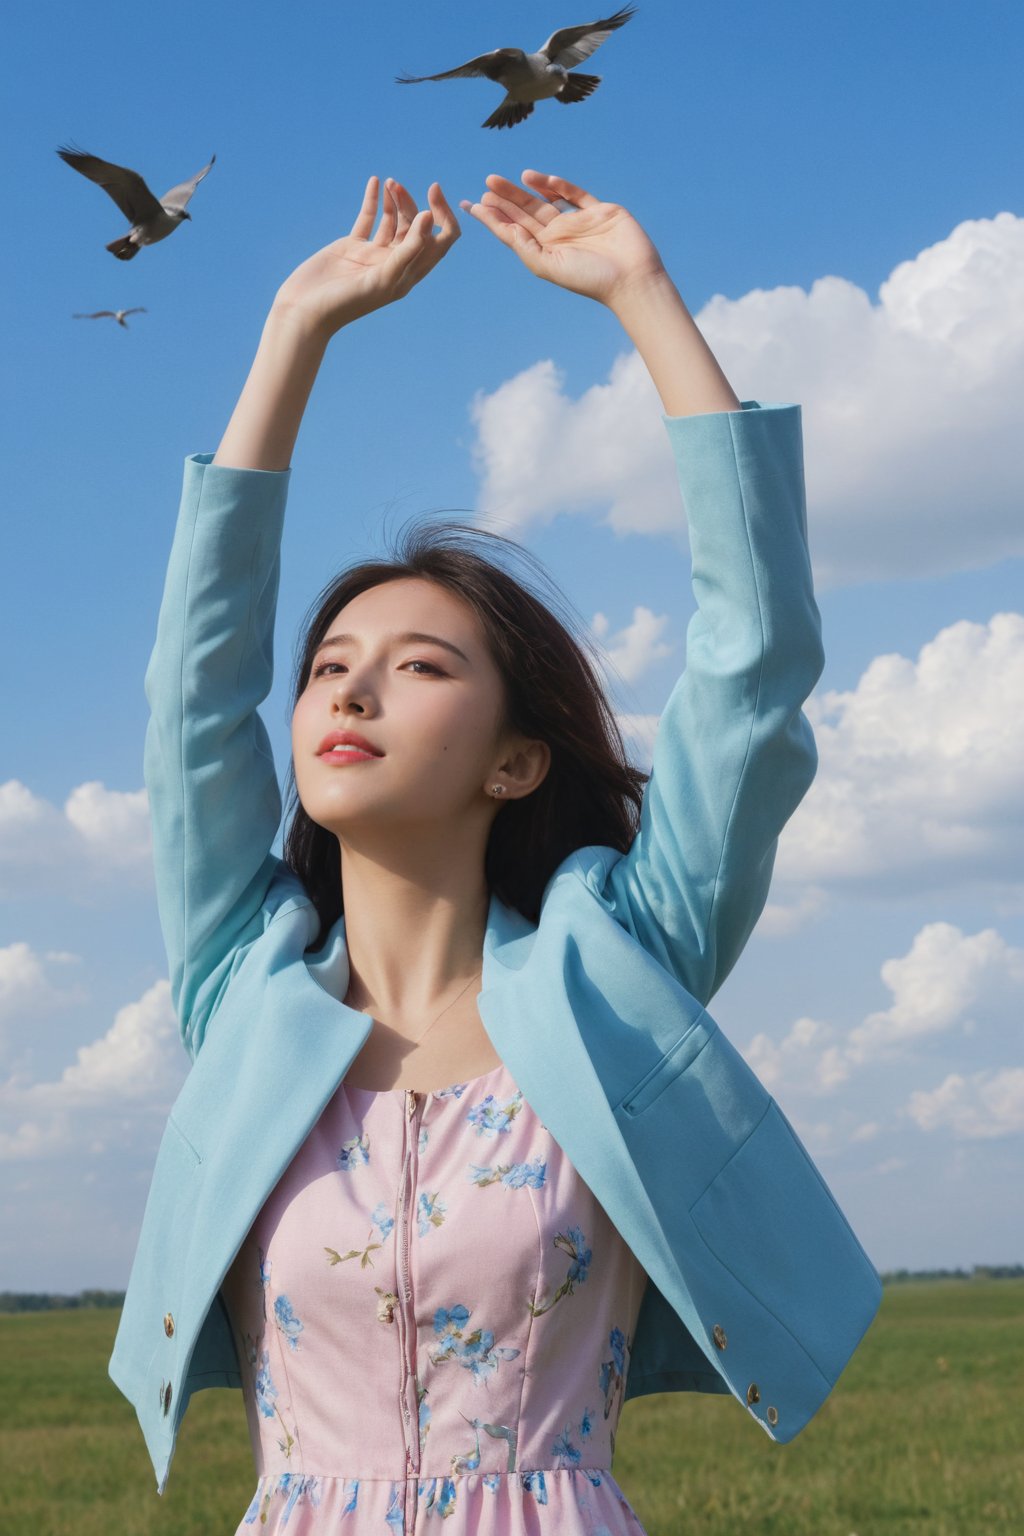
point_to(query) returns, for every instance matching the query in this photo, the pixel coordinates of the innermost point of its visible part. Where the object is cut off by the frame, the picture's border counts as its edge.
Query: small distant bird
(115, 314)
(152, 219)
(531, 77)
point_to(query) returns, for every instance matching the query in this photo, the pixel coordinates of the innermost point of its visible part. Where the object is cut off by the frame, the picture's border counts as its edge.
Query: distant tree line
(976, 1272)
(48, 1301)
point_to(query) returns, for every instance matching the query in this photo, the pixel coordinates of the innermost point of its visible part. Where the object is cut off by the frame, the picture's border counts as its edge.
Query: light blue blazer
(757, 1285)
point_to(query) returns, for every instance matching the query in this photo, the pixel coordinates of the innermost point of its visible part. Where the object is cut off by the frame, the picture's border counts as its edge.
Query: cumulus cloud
(946, 980)
(918, 782)
(27, 991)
(975, 1108)
(966, 987)
(632, 651)
(910, 406)
(135, 1067)
(97, 833)
(808, 1059)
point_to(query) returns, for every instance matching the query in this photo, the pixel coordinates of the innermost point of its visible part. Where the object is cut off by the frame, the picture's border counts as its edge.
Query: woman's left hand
(597, 249)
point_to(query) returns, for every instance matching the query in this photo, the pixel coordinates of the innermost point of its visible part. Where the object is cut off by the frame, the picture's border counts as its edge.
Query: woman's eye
(324, 667)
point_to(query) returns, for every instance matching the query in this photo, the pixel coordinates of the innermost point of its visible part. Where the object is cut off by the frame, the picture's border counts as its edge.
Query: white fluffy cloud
(98, 832)
(910, 415)
(975, 1108)
(632, 651)
(135, 1067)
(961, 987)
(27, 991)
(918, 782)
(948, 980)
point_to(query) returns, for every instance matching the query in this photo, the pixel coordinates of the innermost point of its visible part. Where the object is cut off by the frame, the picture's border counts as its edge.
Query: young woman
(463, 1162)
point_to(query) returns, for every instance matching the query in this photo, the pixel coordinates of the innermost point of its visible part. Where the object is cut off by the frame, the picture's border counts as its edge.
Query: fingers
(388, 219)
(444, 216)
(539, 211)
(421, 249)
(363, 226)
(405, 206)
(509, 231)
(557, 186)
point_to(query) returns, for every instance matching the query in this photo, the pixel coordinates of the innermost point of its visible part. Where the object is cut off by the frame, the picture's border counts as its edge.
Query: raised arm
(213, 791)
(734, 753)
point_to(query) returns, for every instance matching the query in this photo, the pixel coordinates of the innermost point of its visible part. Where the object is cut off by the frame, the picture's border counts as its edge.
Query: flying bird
(151, 218)
(115, 314)
(532, 77)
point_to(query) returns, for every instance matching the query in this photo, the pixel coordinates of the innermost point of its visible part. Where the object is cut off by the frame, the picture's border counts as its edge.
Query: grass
(922, 1437)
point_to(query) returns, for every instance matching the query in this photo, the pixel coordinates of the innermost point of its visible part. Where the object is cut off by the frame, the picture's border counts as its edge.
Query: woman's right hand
(364, 271)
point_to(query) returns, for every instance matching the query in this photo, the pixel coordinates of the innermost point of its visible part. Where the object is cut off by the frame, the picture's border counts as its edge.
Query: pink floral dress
(434, 1318)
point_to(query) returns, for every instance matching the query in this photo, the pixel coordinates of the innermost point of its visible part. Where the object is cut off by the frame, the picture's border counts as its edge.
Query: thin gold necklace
(444, 1010)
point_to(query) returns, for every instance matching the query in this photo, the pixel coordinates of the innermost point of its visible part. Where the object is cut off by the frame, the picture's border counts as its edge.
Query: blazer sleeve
(214, 801)
(734, 753)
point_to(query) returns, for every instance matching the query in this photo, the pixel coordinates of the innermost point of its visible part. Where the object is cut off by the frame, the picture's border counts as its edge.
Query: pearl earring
(497, 789)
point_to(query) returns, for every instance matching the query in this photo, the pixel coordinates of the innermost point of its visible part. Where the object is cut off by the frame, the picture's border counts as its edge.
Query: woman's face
(431, 710)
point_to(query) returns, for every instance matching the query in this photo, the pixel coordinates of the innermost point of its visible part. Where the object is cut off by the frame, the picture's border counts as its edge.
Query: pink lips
(352, 739)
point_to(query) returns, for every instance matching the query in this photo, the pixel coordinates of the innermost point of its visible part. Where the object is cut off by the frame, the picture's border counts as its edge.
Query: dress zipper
(406, 1312)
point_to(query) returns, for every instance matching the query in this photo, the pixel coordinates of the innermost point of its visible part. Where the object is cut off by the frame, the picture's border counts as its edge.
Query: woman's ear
(523, 769)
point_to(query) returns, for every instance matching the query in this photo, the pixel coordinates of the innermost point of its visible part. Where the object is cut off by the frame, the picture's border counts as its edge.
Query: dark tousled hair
(591, 792)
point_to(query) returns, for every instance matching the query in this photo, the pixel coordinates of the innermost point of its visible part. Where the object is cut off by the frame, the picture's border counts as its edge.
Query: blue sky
(789, 160)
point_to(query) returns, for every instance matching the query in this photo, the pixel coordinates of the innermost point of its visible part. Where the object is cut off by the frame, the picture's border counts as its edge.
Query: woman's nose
(350, 694)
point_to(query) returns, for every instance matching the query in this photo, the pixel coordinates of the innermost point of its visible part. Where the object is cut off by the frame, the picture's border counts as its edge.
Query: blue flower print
(266, 1392)
(286, 1321)
(563, 1449)
(440, 1493)
(513, 1175)
(491, 1481)
(354, 1153)
(533, 1482)
(382, 1218)
(491, 1117)
(423, 1139)
(395, 1517)
(585, 1425)
(448, 1326)
(430, 1213)
(575, 1244)
(476, 1351)
(298, 1487)
(350, 1507)
(454, 1091)
(612, 1373)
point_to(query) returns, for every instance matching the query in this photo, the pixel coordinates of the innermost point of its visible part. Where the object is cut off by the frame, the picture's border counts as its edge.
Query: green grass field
(924, 1434)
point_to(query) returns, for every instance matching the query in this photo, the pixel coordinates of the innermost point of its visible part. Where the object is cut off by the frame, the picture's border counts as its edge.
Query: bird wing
(490, 64)
(127, 188)
(97, 314)
(137, 311)
(178, 196)
(571, 45)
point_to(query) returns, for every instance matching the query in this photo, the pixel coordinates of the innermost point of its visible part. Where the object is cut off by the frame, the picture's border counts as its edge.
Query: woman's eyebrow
(410, 635)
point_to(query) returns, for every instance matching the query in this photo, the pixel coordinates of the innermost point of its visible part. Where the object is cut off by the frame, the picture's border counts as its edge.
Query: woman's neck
(411, 941)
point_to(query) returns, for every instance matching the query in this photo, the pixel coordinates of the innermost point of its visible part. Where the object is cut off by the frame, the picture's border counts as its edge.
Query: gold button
(753, 1393)
(772, 1415)
(718, 1334)
(168, 1325)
